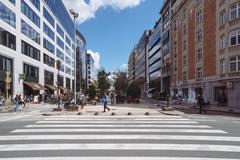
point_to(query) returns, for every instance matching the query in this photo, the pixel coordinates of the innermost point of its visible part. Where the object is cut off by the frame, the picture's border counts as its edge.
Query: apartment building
(90, 70)
(228, 51)
(193, 49)
(33, 35)
(131, 66)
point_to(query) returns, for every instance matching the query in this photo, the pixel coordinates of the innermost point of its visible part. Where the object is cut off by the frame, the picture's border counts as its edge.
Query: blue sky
(112, 29)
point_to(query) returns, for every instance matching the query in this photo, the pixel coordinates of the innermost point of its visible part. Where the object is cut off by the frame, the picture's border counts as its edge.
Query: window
(198, 2)
(30, 51)
(184, 29)
(68, 51)
(184, 61)
(48, 78)
(222, 17)
(60, 54)
(48, 60)
(68, 70)
(222, 66)
(68, 60)
(32, 73)
(7, 15)
(12, 1)
(62, 67)
(234, 64)
(28, 12)
(184, 45)
(234, 11)
(68, 83)
(222, 42)
(7, 39)
(199, 72)
(234, 37)
(60, 80)
(199, 17)
(48, 17)
(60, 31)
(49, 46)
(199, 54)
(68, 41)
(184, 75)
(30, 32)
(199, 35)
(60, 42)
(36, 3)
(48, 31)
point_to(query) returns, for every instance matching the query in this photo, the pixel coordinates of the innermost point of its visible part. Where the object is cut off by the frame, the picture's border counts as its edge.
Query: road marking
(120, 137)
(117, 125)
(113, 117)
(120, 146)
(204, 120)
(114, 158)
(119, 130)
(124, 122)
(135, 119)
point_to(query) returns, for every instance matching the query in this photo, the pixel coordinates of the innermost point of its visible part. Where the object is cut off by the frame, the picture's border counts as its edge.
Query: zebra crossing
(119, 138)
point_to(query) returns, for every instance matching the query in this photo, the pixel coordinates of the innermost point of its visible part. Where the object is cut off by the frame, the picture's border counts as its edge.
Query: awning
(62, 88)
(35, 86)
(51, 87)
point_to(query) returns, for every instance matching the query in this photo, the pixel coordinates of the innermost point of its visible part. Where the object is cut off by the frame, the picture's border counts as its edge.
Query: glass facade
(48, 78)
(6, 64)
(60, 54)
(36, 3)
(31, 72)
(58, 8)
(48, 60)
(68, 51)
(60, 31)
(28, 12)
(68, 70)
(48, 17)
(30, 51)
(68, 41)
(30, 32)
(68, 60)
(60, 43)
(48, 31)
(12, 1)
(7, 15)
(49, 46)
(7, 39)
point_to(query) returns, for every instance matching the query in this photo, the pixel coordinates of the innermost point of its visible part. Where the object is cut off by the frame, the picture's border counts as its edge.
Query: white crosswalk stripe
(88, 138)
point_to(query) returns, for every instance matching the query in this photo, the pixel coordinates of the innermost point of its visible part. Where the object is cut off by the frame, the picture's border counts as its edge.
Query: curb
(51, 114)
(170, 114)
(212, 110)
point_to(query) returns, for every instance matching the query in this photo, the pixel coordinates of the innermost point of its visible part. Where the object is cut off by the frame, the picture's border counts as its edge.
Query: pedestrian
(105, 103)
(112, 97)
(16, 100)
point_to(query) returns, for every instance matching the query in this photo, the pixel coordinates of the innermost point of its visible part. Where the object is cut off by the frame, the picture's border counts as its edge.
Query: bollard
(96, 113)
(113, 114)
(147, 113)
(129, 113)
(79, 113)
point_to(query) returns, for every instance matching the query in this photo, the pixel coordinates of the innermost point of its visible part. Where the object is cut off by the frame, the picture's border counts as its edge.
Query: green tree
(103, 81)
(91, 91)
(121, 82)
(134, 90)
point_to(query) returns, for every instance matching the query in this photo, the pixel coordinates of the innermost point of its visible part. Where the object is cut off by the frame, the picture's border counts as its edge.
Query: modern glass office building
(33, 35)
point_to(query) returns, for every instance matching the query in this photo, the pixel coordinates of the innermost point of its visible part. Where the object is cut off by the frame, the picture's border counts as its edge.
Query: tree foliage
(91, 91)
(121, 82)
(134, 90)
(103, 81)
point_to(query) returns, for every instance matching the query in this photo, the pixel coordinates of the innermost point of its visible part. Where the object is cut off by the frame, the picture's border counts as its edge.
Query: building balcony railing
(234, 22)
(234, 48)
(234, 74)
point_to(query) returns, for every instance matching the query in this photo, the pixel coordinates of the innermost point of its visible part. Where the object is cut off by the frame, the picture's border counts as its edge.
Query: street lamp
(75, 15)
(58, 63)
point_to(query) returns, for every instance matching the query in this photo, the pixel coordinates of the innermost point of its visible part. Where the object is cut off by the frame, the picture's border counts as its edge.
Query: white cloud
(124, 66)
(96, 58)
(88, 10)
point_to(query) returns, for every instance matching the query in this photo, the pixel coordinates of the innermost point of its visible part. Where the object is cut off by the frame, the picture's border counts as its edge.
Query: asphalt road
(187, 137)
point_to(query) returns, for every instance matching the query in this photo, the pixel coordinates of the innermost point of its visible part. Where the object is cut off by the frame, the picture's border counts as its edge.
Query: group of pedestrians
(20, 101)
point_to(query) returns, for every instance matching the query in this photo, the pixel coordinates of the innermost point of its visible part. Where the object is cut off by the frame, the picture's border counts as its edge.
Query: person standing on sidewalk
(200, 103)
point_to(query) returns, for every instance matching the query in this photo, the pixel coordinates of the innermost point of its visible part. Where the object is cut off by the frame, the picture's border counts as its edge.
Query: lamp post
(75, 15)
(58, 62)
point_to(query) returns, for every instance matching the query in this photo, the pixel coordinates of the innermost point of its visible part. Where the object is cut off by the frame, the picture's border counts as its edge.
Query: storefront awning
(62, 88)
(51, 87)
(35, 86)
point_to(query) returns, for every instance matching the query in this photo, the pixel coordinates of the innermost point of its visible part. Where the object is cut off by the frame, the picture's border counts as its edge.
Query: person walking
(105, 103)
(200, 103)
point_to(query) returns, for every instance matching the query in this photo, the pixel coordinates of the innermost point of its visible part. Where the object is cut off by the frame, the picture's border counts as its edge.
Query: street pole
(75, 15)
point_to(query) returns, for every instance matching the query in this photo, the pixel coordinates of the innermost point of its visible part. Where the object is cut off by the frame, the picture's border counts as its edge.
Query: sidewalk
(28, 107)
(212, 107)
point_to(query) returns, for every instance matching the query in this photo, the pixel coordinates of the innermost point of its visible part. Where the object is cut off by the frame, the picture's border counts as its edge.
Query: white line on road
(120, 137)
(124, 122)
(113, 117)
(204, 120)
(116, 125)
(135, 119)
(120, 146)
(118, 130)
(114, 158)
